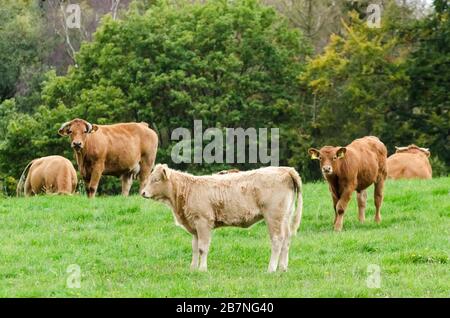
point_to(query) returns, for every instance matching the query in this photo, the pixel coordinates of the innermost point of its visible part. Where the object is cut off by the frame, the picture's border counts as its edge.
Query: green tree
(429, 69)
(356, 83)
(230, 64)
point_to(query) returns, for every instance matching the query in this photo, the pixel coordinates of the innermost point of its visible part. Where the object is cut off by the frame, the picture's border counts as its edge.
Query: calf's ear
(165, 172)
(314, 153)
(341, 152)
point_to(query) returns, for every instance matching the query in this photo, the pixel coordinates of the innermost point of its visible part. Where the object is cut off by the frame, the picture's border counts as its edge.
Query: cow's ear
(314, 153)
(94, 128)
(63, 131)
(341, 152)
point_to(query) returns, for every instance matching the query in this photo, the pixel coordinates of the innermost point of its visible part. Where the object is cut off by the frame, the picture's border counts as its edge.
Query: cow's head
(158, 187)
(77, 130)
(329, 158)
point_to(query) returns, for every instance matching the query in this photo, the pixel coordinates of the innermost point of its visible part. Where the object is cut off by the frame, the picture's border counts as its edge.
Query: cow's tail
(21, 185)
(297, 217)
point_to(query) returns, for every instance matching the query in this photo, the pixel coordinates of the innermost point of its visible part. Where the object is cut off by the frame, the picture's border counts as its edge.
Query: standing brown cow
(202, 203)
(353, 168)
(52, 174)
(126, 150)
(409, 162)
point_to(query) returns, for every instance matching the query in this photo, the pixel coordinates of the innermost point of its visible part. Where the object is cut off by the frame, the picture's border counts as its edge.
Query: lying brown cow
(409, 162)
(52, 174)
(200, 204)
(353, 168)
(124, 150)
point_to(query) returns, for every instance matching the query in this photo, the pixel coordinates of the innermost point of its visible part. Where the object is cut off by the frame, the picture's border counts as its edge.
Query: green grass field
(130, 247)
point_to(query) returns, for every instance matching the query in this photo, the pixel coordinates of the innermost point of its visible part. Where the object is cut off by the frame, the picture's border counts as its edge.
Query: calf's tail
(297, 217)
(20, 190)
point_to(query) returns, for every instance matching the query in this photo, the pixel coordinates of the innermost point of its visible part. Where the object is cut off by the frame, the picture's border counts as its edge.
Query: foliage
(429, 70)
(357, 83)
(230, 65)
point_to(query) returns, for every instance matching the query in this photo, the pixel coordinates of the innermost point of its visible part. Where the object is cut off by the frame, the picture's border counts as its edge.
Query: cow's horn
(89, 127)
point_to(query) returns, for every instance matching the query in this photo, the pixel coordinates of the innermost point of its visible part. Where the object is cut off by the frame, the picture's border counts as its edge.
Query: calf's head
(158, 187)
(77, 130)
(329, 158)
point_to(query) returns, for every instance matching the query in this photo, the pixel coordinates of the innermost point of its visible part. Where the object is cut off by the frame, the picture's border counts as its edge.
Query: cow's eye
(320, 158)
(334, 158)
(69, 132)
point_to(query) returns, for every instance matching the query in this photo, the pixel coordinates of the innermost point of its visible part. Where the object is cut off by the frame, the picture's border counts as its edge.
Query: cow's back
(408, 166)
(122, 146)
(52, 174)
(371, 156)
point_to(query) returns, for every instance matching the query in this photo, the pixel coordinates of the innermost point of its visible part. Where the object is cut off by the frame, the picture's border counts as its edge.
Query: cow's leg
(96, 174)
(127, 182)
(28, 190)
(361, 197)
(194, 263)
(378, 196)
(284, 255)
(146, 163)
(341, 206)
(204, 239)
(335, 201)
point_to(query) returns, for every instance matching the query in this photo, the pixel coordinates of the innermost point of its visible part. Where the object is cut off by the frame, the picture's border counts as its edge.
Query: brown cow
(202, 203)
(353, 168)
(409, 162)
(52, 174)
(124, 150)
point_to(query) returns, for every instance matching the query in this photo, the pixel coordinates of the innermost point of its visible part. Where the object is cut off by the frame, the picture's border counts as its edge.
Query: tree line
(322, 76)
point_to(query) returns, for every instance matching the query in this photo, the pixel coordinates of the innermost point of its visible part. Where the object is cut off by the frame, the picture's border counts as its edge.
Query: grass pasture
(130, 247)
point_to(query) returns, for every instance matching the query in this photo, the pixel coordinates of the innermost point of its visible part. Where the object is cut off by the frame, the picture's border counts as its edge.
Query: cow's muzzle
(327, 170)
(77, 146)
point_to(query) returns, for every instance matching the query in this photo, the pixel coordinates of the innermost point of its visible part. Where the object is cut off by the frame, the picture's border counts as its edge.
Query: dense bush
(230, 65)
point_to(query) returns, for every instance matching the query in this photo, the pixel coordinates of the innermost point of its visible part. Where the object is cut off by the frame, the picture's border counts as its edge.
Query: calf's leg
(361, 197)
(277, 239)
(378, 194)
(284, 255)
(204, 239)
(127, 182)
(194, 263)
